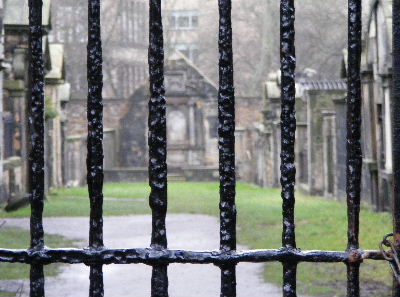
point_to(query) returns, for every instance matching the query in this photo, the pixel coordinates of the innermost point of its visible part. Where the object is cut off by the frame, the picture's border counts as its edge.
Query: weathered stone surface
(191, 125)
(318, 152)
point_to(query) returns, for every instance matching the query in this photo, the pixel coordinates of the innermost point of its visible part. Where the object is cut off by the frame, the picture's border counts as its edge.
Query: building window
(191, 51)
(195, 21)
(183, 20)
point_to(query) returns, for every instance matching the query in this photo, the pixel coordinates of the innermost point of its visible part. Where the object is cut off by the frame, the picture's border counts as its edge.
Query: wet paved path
(195, 232)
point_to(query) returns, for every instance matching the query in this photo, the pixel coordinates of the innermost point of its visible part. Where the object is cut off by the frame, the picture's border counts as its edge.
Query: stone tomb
(192, 125)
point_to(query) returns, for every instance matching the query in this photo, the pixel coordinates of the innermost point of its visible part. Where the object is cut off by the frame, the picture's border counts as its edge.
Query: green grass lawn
(17, 238)
(321, 224)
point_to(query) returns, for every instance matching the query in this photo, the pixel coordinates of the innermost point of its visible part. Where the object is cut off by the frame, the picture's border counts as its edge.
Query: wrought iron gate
(159, 256)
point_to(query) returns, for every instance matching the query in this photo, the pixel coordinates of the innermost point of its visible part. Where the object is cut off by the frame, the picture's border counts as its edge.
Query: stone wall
(75, 151)
(319, 160)
(76, 118)
(248, 114)
(75, 161)
(318, 101)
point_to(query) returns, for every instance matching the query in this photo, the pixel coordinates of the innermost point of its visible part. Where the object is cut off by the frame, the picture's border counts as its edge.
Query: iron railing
(158, 255)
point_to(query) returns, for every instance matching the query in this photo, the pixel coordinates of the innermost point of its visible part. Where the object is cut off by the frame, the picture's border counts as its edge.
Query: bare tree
(320, 39)
(124, 32)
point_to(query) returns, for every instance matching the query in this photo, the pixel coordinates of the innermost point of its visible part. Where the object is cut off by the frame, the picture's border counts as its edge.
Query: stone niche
(192, 125)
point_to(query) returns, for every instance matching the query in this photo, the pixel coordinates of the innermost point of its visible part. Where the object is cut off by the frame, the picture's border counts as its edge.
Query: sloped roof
(17, 14)
(272, 88)
(177, 55)
(323, 85)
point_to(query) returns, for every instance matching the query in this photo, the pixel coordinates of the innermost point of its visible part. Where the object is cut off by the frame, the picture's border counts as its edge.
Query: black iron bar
(94, 159)
(96, 287)
(226, 146)
(95, 127)
(354, 157)
(353, 279)
(396, 131)
(151, 256)
(157, 147)
(288, 129)
(36, 281)
(289, 278)
(36, 132)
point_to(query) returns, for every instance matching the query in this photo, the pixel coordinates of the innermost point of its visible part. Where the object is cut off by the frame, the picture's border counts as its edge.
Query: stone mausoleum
(192, 125)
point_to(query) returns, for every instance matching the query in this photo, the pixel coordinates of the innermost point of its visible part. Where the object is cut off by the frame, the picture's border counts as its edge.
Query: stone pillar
(388, 127)
(370, 181)
(276, 139)
(192, 134)
(1, 137)
(240, 150)
(387, 173)
(301, 149)
(17, 97)
(340, 162)
(1, 100)
(329, 151)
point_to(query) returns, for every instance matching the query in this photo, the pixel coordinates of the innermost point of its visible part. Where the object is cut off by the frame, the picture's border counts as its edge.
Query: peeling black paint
(288, 121)
(157, 146)
(289, 279)
(228, 279)
(96, 287)
(354, 157)
(151, 256)
(396, 131)
(36, 281)
(36, 132)
(95, 156)
(158, 256)
(95, 126)
(159, 280)
(288, 129)
(36, 120)
(396, 115)
(353, 279)
(226, 147)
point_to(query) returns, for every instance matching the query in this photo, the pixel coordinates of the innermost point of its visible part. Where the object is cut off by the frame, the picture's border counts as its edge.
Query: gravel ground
(195, 232)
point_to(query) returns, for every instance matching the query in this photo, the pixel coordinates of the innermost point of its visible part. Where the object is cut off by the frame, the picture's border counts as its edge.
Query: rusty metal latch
(391, 255)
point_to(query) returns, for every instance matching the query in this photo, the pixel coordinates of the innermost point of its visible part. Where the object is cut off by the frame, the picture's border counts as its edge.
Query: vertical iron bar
(36, 281)
(36, 156)
(157, 146)
(353, 279)
(396, 132)
(288, 129)
(354, 157)
(226, 145)
(94, 159)
(289, 279)
(36, 131)
(96, 287)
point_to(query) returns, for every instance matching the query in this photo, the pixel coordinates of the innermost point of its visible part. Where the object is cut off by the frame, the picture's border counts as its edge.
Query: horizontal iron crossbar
(153, 256)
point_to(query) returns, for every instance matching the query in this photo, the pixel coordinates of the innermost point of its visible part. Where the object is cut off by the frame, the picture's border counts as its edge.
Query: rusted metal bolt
(355, 256)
